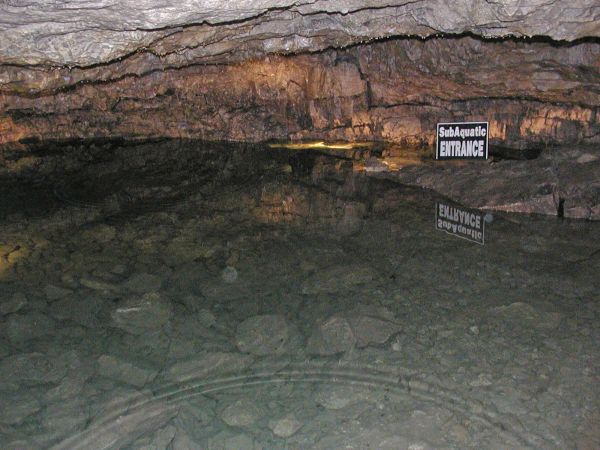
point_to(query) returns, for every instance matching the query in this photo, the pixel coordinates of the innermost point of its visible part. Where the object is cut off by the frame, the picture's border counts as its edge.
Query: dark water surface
(194, 296)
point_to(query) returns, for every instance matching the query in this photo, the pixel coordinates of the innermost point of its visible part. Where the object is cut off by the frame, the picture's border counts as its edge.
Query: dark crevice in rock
(499, 152)
(536, 39)
(560, 210)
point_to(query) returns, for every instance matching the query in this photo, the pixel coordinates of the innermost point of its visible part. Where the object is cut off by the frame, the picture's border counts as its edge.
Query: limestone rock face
(394, 91)
(80, 33)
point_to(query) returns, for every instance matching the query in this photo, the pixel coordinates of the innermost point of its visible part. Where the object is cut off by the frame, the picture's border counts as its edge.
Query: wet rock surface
(436, 343)
(559, 182)
(147, 313)
(266, 335)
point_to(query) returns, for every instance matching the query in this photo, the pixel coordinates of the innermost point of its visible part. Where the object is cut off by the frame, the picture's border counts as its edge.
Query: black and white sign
(461, 222)
(462, 140)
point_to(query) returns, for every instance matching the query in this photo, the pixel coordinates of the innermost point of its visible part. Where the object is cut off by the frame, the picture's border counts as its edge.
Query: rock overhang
(80, 33)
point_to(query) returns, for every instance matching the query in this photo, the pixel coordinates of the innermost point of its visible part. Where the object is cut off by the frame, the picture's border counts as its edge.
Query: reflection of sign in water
(464, 223)
(462, 140)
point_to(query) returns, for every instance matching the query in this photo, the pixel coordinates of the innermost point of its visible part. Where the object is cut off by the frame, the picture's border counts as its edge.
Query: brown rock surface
(396, 91)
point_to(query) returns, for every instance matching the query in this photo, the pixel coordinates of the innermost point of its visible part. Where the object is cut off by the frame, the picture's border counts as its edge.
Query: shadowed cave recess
(223, 225)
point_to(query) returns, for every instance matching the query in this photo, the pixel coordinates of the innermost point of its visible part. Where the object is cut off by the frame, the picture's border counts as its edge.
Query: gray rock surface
(32, 369)
(84, 310)
(227, 441)
(13, 304)
(56, 292)
(332, 336)
(66, 416)
(242, 413)
(130, 426)
(84, 34)
(338, 278)
(265, 335)
(286, 426)
(14, 407)
(158, 441)
(124, 371)
(23, 327)
(145, 313)
(207, 364)
(142, 283)
(359, 327)
(557, 182)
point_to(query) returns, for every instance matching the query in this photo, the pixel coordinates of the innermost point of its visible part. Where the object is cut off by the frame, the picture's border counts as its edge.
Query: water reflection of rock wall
(396, 90)
(217, 185)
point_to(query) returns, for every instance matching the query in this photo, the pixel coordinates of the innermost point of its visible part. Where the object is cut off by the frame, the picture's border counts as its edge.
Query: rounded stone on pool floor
(268, 334)
(229, 274)
(285, 426)
(242, 413)
(332, 336)
(147, 313)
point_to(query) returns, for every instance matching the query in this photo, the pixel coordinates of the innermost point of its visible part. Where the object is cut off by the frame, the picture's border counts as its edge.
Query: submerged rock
(372, 325)
(228, 441)
(522, 315)
(71, 385)
(208, 364)
(16, 406)
(56, 292)
(12, 304)
(194, 416)
(125, 372)
(142, 283)
(87, 311)
(128, 426)
(33, 325)
(98, 285)
(360, 327)
(337, 396)
(266, 335)
(140, 314)
(285, 426)
(102, 233)
(242, 413)
(229, 274)
(30, 369)
(66, 416)
(159, 440)
(332, 336)
(182, 441)
(338, 278)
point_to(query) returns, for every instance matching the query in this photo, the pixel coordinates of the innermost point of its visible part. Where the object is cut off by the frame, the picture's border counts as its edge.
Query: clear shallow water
(180, 295)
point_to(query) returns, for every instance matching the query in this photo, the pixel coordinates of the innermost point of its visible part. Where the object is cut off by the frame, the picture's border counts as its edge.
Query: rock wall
(257, 70)
(79, 33)
(532, 93)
